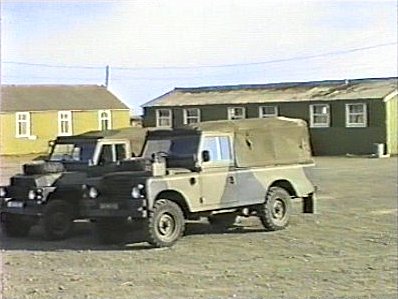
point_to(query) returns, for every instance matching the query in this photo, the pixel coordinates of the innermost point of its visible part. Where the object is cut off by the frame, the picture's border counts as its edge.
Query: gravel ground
(347, 250)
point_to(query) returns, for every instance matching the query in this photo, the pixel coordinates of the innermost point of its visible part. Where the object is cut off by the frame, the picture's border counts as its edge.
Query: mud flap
(309, 204)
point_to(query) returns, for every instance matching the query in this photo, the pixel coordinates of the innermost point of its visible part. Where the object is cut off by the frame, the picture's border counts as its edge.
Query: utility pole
(107, 76)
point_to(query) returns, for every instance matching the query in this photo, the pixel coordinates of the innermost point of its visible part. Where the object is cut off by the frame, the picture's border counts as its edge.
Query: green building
(344, 116)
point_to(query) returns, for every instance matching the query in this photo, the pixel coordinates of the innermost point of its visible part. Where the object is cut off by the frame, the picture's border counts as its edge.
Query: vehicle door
(217, 176)
(107, 155)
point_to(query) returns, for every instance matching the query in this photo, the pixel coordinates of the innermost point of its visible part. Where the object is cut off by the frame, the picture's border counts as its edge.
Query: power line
(53, 65)
(117, 78)
(304, 57)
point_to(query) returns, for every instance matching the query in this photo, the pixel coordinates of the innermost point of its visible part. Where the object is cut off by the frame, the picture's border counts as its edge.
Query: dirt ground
(347, 250)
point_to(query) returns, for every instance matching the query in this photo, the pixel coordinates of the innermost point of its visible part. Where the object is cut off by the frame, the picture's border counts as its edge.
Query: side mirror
(205, 156)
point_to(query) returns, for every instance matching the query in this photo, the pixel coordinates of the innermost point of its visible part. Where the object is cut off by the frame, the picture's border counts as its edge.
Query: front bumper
(21, 207)
(95, 208)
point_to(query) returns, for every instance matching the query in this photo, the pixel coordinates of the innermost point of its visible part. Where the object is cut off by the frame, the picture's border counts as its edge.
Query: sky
(153, 46)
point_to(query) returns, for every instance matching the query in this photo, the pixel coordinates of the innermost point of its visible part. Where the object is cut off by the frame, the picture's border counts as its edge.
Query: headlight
(137, 191)
(93, 193)
(32, 194)
(3, 191)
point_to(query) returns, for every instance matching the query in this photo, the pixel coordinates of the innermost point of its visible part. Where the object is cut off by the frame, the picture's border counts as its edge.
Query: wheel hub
(166, 225)
(278, 209)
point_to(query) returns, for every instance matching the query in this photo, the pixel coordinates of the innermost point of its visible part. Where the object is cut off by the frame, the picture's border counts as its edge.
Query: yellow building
(31, 115)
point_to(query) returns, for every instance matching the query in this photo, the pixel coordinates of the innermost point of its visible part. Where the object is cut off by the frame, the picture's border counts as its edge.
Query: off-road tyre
(274, 213)
(223, 221)
(111, 230)
(58, 219)
(165, 224)
(14, 226)
(42, 167)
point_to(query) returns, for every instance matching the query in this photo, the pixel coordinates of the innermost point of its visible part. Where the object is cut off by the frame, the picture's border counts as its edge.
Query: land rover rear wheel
(274, 213)
(57, 220)
(165, 223)
(14, 226)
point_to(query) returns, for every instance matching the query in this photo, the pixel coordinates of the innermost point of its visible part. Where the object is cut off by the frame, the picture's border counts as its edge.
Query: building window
(191, 116)
(236, 113)
(64, 123)
(355, 115)
(22, 124)
(163, 118)
(104, 120)
(319, 116)
(268, 111)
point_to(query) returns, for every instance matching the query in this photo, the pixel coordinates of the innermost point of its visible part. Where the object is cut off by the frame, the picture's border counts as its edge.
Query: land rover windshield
(174, 146)
(77, 151)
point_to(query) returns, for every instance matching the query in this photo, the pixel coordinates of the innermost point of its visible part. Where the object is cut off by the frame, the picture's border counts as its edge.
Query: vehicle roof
(124, 133)
(246, 124)
(257, 142)
(230, 126)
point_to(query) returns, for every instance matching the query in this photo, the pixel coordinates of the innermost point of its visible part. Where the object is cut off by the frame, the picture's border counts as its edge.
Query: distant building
(344, 116)
(135, 121)
(31, 115)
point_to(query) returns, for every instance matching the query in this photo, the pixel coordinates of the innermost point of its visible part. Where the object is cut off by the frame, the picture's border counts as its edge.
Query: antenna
(107, 76)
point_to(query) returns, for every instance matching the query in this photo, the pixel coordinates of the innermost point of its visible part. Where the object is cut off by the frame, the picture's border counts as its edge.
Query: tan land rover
(219, 170)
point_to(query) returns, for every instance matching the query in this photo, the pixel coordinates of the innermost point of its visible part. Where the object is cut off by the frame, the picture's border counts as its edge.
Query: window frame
(27, 122)
(312, 116)
(230, 109)
(112, 144)
(108, 118)
(68, 120)
(170, 118)
(348, 124)
(262, 115)
(186, 117)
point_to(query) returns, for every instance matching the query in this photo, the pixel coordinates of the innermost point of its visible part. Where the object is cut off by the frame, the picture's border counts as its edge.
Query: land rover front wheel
(166, 223)
(274, 213)
(14, 226)
(57, 220)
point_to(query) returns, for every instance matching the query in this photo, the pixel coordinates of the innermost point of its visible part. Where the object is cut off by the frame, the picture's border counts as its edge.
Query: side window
(219, 148)
(76, 154)
(210, 144)
(225, 148)
(105, 155)
(120, 151)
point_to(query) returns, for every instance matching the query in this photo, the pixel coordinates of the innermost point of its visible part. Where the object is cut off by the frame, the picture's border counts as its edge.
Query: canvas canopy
(265, 142)
(135, 135)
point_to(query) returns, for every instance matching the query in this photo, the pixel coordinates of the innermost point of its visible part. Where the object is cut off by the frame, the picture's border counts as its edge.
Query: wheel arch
(70, 197)
(285, 184)
(175, 197)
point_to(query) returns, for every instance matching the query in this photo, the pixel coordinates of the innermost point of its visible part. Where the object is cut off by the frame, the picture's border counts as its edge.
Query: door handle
(231, 180)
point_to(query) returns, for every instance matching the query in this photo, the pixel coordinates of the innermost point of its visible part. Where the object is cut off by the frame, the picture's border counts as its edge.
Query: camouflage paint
(214, 190)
